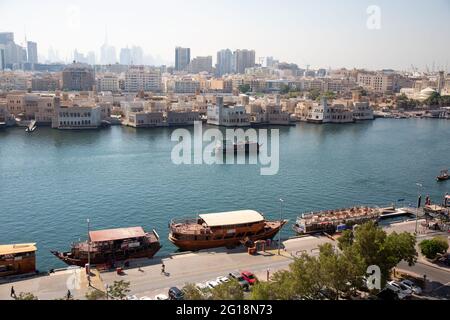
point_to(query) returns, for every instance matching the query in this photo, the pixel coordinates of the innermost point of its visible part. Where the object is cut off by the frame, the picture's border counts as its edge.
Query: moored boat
(225, 229)
(236, 148)
(111, 246)
(332, 221)
(17, 259)
(443, 176)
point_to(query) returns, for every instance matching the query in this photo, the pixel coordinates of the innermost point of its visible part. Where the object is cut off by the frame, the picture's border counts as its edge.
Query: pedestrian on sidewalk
(69, 295)
(13, 292)
(163, 269)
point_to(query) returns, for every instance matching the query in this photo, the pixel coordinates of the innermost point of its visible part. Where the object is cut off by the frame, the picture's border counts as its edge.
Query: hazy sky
(320, 33)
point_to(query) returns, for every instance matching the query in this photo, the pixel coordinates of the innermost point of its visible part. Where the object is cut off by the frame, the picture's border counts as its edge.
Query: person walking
(13, 292)
(163, 269)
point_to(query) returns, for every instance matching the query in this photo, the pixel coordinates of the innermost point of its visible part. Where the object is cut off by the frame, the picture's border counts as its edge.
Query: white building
(108, 82)
(77, 117)
(138, 78)
(228, 116)
(362, 111)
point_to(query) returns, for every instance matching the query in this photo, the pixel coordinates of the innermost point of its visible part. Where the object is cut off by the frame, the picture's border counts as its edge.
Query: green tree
(191, 292)
(119, 289)
(95, 294)
(314, 94)
(432, 247)
(373, 246)
(26, 296)
(244, 88)
(230, 290)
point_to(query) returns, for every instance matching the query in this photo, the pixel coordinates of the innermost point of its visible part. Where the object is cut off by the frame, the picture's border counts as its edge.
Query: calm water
(51, 181)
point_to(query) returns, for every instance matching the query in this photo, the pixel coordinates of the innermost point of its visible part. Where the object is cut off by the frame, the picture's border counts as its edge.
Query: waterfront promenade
(146, 279)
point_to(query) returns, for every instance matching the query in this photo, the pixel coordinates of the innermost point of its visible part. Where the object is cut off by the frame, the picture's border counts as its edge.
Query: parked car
(222, 279)
(249, 277)
(145, 298)
(212, 284)
(161, 297)
(412, 286)
(132, 297)
(237, 276)
(175, 294)
(399, 288)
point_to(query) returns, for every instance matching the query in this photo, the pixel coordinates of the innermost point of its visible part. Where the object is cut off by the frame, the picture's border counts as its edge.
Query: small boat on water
(31, 127)
(332, 221)
(443, 176)
(246, 147)
(225, 229)
(111, 246)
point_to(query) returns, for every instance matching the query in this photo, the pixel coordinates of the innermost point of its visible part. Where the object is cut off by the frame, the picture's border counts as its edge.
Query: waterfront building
(108, 82)
(144, 119)
(45, 110)
(182, 58)
(5, 117)
(182, 118)
(32, 52)
(200, 64)
(362, 111)
(75, 117)
(228, 116)
(138, 78)
(78, 77)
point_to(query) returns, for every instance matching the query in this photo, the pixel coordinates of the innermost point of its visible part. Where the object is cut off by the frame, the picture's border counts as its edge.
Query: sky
(371, 34)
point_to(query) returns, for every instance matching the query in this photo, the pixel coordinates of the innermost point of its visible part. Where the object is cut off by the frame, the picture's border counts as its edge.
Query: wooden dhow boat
(111, 246)
(225, 229)
(332, 221)
(443, 176)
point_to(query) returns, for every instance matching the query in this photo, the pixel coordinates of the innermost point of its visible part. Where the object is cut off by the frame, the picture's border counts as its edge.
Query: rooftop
(232, 218)
(17, 248)
(116, 234)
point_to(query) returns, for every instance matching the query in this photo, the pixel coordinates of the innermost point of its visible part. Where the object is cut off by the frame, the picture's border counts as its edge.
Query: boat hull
(69, 259)
(196, 245)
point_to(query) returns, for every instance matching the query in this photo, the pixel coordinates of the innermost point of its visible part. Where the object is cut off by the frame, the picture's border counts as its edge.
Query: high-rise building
(125, 56)
(91, 58)
(441, 82)
(78, 77)
(182, 58)
(201, 64)
(224, 62)
(137, 56)
(6, 37)
(2, 57)
(32, 52)
(243, 59)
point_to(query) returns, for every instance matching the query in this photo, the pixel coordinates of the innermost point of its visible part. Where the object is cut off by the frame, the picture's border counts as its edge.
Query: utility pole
(419, 185)
(89, 254)
(279, 232)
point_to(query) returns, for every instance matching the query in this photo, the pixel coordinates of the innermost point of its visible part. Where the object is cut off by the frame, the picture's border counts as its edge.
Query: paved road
(197, 267)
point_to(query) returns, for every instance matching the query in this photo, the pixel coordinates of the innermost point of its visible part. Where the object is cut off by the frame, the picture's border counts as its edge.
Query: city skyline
(320, 35)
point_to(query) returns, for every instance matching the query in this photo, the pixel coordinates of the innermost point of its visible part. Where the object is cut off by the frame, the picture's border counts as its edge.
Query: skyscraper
(224, 62)
(182, 58)
(243, 59)
(200, 64)
(137, 56)
(125, 56)
(6, 37)
(2, 57)
(32, 52)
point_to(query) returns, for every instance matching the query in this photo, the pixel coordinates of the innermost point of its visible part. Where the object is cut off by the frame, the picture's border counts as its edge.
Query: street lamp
(281, 228)
(419, 185)
(89, 254)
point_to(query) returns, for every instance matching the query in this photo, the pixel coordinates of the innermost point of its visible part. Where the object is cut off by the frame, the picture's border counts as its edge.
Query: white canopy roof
(232, 218)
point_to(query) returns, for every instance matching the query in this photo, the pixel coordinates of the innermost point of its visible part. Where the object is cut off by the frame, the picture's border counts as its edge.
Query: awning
(17, 248)
(116, 234)
(232, 218)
